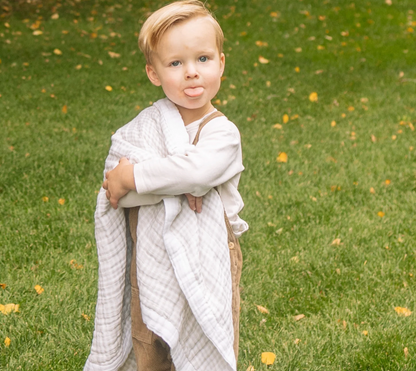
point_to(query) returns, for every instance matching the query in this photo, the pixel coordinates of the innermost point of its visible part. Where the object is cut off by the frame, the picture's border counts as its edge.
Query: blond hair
(163, 19)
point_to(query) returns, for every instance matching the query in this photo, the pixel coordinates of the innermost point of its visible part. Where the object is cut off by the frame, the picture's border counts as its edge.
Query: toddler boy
(186, 264)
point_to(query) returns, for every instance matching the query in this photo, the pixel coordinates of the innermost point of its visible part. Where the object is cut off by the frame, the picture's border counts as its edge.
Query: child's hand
(195, 203)
(119, 181)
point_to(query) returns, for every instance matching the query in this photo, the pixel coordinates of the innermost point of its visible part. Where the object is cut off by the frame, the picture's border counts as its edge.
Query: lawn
(323, 93)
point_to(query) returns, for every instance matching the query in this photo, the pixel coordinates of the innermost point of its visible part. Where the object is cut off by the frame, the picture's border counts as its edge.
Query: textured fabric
(215, 162)
(184, 280)
(151, 354)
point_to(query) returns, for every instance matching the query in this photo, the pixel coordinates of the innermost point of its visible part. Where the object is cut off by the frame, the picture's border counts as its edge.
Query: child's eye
(175, 64)
(203, 59)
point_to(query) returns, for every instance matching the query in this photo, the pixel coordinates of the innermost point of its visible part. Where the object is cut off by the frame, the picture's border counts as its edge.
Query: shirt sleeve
(214, 160)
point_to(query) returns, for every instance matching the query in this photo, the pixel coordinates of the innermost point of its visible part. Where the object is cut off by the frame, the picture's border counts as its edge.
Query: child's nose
(191, 71)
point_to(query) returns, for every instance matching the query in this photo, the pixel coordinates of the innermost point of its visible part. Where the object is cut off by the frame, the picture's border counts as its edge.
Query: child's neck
(191, 115)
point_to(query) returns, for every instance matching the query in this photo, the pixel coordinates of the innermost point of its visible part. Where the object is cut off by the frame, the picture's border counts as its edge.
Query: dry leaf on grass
(282, 157)
(7, 342)
(268, 358)
(9, 308)
(404, 312)
(299, 317)
(262, 309)
(39, 289)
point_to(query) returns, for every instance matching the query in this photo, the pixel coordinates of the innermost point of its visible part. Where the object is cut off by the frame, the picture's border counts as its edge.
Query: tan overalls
(151, 351)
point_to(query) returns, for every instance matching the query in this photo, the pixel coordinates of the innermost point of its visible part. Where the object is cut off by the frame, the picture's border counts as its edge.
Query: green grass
(295, 209)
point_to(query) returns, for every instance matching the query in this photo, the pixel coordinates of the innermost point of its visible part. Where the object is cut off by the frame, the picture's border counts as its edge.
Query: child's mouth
(194, 92)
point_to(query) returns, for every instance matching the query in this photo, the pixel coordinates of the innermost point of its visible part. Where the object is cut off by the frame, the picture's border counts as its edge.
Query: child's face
(188, 66)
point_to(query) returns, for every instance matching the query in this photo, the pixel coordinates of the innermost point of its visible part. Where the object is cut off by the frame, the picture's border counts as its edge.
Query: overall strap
(204, 122)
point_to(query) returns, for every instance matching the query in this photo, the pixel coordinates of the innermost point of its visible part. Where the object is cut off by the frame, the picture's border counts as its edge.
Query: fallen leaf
(282, 157)
(9, 308)
(372, 191)
(78, 66)
(39, 289)
(406, 352)
(299, 317)
(297, 69)
(7, 342)
(65, 109)
(313, 97)
(37, 32)
(387, 181)
(404, 312)
(336, 242)
(57, 52)
(365, 332)
(55, 16)
(381, 214)
(373, 138)
(45, 199)
(285, 118)
(250, 368)
(262, 309)
(268, 358)
(277, 126)
(320, 47)
(261, 43)
(3, 286)
(87, 318)
(298, 50)
(296, 341)
(61, 201)
(263, 60)
(114, 55)
(108, 88)
(275, 14)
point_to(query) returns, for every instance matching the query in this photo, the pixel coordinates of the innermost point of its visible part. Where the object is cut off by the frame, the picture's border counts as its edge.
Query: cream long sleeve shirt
(216, 161)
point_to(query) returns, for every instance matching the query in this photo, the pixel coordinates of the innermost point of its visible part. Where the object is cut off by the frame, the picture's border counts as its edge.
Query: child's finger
(198, 204)
(191, 201)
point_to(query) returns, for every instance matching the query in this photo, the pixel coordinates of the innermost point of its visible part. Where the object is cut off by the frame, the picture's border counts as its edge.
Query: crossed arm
(120, 181)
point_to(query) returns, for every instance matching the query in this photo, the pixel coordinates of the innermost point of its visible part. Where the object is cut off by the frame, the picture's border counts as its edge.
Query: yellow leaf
(282, 157)
(7, 342)
(297, 69)
(320, 47)
(87, 318)
(9, 308)
(45, 199)
(78, 66)
(285, 118)
(406, 352)
(336, 242)
(61, 201)
(261, 43)
(262, 309)
(404, 312)
(372, 191)
(3, 286)
(65, 109)
(277, 126)
(108, 88)
(373, 138)
(297, 341)
(351, 108)
(268, 358)
(299, 317)
(298, 50)
(263, 60)
(37, 32)
(333, 123)
(39, 289)
(114, 55)
(381, 214)
(55, 16)
(365, 332)
(275, 14)
(313, 97)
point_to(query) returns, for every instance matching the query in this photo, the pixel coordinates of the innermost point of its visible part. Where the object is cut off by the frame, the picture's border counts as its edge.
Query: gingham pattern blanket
(183, 264)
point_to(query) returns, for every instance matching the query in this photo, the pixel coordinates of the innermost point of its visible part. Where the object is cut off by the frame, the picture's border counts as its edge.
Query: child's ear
(152, 75)
(222, 63)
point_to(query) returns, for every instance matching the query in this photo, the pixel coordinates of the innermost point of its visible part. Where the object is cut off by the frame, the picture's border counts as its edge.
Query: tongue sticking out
(194, 92)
